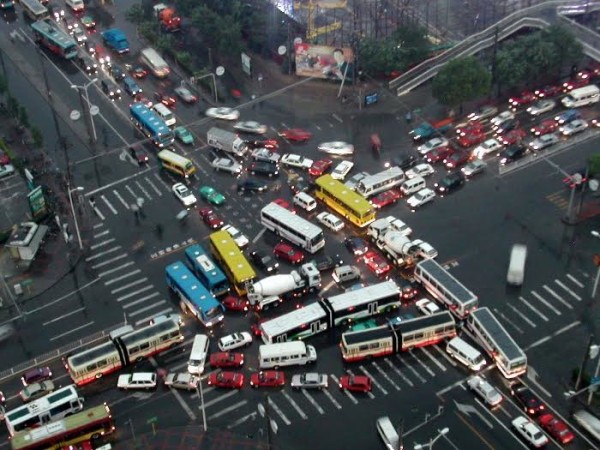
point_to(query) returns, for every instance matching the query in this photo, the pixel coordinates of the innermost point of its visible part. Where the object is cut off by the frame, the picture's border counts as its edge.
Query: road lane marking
(400, 374)
(99, 214)
(114, 280)
(109, 204)
(345, 391)
(421, 363)
(110, 261)
(147, 308)
(218, 399)
(338, 118)
(522, 316)
(444, 355)
(228, 409)
(507, 320)
(98, 225)
(550, 336)
(102, 244)
(56, 319)
(144, 191)
(294, 404)
(557, 297)
(161, 181)
(122, 266)
(127, 286)
(121, 199)
(543, 300)
(103, 233)
(260, 233)
(241, 420)
(72, 330)
(575, 280)
(146, 320)
(98, 255)
(433, 360)
(158, 192)
(133, 194)
(562, 285)
(313, 401)
(543, 317)
(278, 410)
(383, 374)
(412, 369)
(131, 294)
(333, 400)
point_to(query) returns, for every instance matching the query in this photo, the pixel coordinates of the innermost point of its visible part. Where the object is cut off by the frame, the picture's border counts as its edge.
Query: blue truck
(428, 130)
(116, 40)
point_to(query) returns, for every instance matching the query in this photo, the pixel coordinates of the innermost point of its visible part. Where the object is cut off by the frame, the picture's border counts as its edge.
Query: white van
(198, 354)
(344, 274)
(413, 185)
(165, 114)
(516, 266)
(305, 201)
(466, 354)
(582, 96)
(75, 5)
(387, 432)
(285, 354)
(588, 422)
(155, 62)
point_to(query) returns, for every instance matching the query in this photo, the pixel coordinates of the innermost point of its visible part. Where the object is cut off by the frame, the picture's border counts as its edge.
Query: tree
(412, 43)
(594, 165)
(23, 117)
(135, 14)
(567, 49)
(461, 80)
(38, 138)
(511, 69)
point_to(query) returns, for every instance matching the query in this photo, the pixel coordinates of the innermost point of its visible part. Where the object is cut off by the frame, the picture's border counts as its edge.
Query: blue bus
(152, 126)
(49, 35)
(207, 271)
(193, 296)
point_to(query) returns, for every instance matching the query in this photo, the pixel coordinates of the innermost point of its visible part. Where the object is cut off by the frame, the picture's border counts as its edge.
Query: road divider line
(102, 244)
(526, 303)
(56, 319)
(312, 401)
(562, 285)
(289, 398)
(72, 330)
(278, 410)
(110, 261)
(106, 252)
(557, 297)
(127, 286)
(228, 409)
(119, 278)
(109, 204)
(543, 300)
(131, 294)
(121, 199)
(575, 280)
(522, 316)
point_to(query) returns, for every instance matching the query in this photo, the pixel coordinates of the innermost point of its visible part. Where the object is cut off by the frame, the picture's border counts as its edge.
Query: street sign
(37, 202)
(371, 98)
(152, 420)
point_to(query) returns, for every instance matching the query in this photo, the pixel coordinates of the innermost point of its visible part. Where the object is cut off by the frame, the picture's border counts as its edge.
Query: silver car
(541, 107)
(473, 168)
(250, 126)
(36, 390)
(544, 141)
(226, 165)
(262, 154)
(310, 380)
(485, 390)
(185, 381)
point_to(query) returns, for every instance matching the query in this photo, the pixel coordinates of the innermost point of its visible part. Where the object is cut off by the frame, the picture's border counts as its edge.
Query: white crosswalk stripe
(122, 277)
(278, 410)
(557, 297)
(141, 300)
(121, 199)
(562, 285)
(543, 301)
(110, 261)
(101, 254)
(109, 204)
(421, 363)
(400, 374)
(127, 286)
(227, 410)
(312, 401)
(144, 191)
(575, 280)
(333, 400)
(526, 303)
(131, 294)
(115, 269)
(522, 316)
(295, 405)
(147, 308)
(412, 369)
(385, 375)
(433, 360)
(158, 192)
(218, 399)
(102, 244)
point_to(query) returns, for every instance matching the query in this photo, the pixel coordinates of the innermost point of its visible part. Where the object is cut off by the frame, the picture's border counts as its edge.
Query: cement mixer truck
(296, 283)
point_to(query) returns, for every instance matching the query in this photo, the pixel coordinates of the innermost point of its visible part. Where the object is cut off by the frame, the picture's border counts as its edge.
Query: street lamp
(597, 262)
(433, 440)
(79, 189)
(87, 107)
(200, 393)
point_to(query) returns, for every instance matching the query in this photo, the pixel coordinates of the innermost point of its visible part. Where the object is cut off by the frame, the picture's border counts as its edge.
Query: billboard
(321, 61)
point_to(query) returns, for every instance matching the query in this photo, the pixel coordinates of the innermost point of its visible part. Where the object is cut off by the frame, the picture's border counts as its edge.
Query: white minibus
(466, 354)
(582, 96)
(516, 266)
(286, 354)
(155, 63)
(165, 114)
(198, 354)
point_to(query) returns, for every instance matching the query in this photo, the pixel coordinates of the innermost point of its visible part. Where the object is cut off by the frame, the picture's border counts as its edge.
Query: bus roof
(504, 342)
(51, 31)
(41, 404)
(370, 334)
(293, 220)
(367, 294)
(408, 326)
(294, 319)
(382, 176)
(172, 157)
(443, 277)
(151, 120)
(192, 288)
(232, 256)
(35, 6)
(197, 255)
(344, 194)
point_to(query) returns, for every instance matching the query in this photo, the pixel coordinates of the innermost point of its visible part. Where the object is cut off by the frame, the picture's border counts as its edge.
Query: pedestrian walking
(408, 117)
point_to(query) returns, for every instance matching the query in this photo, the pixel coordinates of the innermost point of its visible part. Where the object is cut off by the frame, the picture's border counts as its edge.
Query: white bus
(292, 227)
(589, 423)
(285, 354)
(155, 63)
(516, 265)
(582, 96)
(496, 341)
(165, 114)
(379, 182)
(445, 288)
(34, 9)
(54, 406)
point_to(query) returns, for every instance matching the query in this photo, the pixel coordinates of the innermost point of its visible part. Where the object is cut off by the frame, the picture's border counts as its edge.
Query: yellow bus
(339, 197)
(232, 260)
(176, 163)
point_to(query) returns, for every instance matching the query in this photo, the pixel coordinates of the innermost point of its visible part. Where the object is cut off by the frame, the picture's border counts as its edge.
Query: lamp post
(79, 189)
(433, 440)
(597, 262)
(87, 107)
(200, 393)
(130, 422)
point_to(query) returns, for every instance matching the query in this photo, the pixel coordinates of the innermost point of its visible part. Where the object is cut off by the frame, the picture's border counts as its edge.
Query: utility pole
(586, 356)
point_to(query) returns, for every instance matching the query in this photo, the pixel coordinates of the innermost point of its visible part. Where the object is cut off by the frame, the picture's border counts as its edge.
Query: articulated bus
(49, 35)
(292, 227)
(207, 271)
(445, 288)
(379, 182)
(234, 263)
(151, 125)
(123, 350)
(54, 406)
(500, 346)
(339, 197)
(176, 164)
(34, 9)
(193, 295)
(91, 423)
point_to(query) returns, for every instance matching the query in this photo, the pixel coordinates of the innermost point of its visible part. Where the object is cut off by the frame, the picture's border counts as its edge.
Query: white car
(399, 226)
(240, 238)
(420, 198)
(165, 317)
(223, 113)
(427, 307)
(541, 107)
(544, 141)
(291, 159)
(530, 431)
(226, 165)
(185, 381)
(501, 118)
(486, 148)
(184, 195)
(488, 393)
(336, 148)
(431, 144)
(420, 170)
(235, 340)
(355, 179)
(574, 127)
(483, 113)
(310, 380)
(331, 221)
(473, 168)
(251, 126)
(262, 154)
(341, 170)
(137, 380)
(7, 170)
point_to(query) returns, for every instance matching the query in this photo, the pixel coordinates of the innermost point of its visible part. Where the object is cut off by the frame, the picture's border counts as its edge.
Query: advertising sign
(37, 202)
(321, 61)
(246, 64)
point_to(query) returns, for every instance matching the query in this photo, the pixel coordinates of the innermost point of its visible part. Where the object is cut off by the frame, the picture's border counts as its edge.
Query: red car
(545, 127)
(141, 98)
(319, 167)
(289, 253)
(138, 72)
(525, 98)
(582, 79)
(230, 380)
(255, 329)
(385, 198)
(210, 218)
(269, 144)
(457, 159)
(470, 128)
(284, 204)
(438, 154)
(295, 135)
(548, 91)
(4, 159)
(513, 137)
(233, 303)
(556, 428)
(469, 140)
(102, 56)
(226, 359)
(355, 383)
(167, 100)
(267, 378)
(376, 263)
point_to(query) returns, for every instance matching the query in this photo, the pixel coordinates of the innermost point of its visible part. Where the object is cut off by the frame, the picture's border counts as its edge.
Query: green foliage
(567, 49)
(461, 80)
(164, 43)
(135, 14)
(23, 117)
(3, 85)
(38, 137)
(185, 60)
(149, 30)
(12, 105)
(594, 165)
(411, 41)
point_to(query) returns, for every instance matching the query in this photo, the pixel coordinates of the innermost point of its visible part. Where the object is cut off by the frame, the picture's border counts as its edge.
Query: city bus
(379, 182)
(292, 227)
(207, 271)
(60, 403)
(500, 346)
(34, 9)
(49, 35)
(233, 261)
(151, 125)
(193, 296)
(394, 338)
(339, 197)
(445, 288)
(91, 423)
(331, 312)
(157, 65)
(175, 163)
(123, 350)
